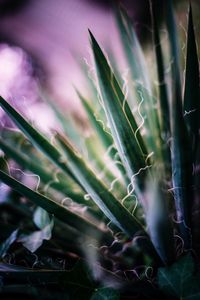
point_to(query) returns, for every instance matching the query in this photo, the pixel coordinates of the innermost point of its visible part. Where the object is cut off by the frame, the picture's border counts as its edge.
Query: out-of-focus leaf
(139, 71)
(65, 120)
(111, 207)
(110, 176)
(157, 218)
(68, 124)
(35, 239)
(163, 97)
(179, 280)
(103, 135)
(3, 164)
(4, 190)
(149, 112)
(60, 184)
(8, 242)
(27, 163)
(105, 294)
(41, 218)
(35, 137)
(192, 85)
(52, 207)
(79, 274)
(75, 283)
(132, 48)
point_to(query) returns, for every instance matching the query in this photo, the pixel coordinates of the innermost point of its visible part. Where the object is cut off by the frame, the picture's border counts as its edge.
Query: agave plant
(122, 203)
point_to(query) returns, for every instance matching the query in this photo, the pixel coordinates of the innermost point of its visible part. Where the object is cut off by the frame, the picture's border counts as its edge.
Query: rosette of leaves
(120, 206)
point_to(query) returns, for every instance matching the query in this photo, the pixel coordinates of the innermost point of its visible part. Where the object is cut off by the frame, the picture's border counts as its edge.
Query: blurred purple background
(54, 37)
(54, 34)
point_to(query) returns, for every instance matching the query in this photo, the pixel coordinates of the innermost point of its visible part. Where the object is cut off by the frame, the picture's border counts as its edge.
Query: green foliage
(180, 280)
(7, 243)
(45, 224)
(105, 294)
(124, 208)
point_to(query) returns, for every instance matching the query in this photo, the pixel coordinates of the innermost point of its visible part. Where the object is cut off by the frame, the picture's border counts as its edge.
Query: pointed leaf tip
(91, 35)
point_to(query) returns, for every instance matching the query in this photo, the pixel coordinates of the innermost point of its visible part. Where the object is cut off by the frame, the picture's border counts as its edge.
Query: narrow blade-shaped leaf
(7, 243)
(52, 207)
(179, 280)
(180, 146)
(128, 145)
(163, 97)
(132, 48)
(139, 71)
(35, 137)
(157, 218)
(192, 114)
(104, 136)
(111, 207)
(45, 176)
(192, 85)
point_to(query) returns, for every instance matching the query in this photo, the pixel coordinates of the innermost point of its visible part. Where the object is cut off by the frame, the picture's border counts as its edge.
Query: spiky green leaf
(110, 206)
(139, 71)
(179, 280)
(127, 143)
(192, 85)
(35, 137)
(52, 207)
(163, 97)
(8, 242)
(48, 178)
(105, 294)
(180, 146)
(157, 218)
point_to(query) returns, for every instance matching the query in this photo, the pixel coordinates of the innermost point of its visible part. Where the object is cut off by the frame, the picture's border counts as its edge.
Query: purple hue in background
(55, 34)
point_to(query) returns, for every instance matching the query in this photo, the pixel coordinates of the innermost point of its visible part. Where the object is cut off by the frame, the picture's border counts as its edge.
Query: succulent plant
(120, 204)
